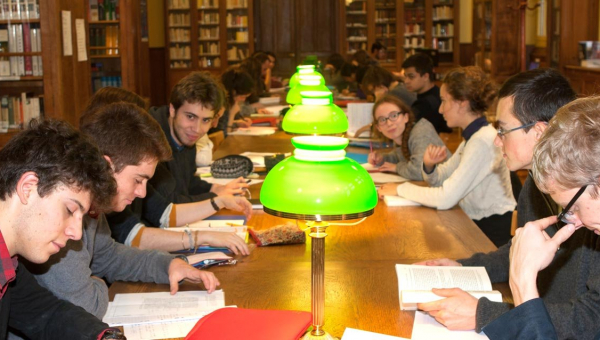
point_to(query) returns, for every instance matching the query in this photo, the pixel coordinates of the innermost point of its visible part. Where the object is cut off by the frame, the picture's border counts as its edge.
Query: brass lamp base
(325, 336)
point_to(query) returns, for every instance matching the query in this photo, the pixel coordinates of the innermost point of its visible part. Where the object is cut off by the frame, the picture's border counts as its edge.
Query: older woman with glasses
(393, 120)
(475, 177)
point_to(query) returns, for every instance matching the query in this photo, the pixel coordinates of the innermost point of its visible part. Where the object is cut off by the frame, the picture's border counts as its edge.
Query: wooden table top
(360, 279)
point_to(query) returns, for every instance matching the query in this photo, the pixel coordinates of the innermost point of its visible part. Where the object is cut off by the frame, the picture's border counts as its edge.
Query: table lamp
(301, 69)
(316, 115)
(318, 184)
(306, 82)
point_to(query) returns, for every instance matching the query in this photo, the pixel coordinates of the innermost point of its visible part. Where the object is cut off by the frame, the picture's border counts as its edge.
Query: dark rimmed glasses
(502, 132)
(392, 117)
(566, 215)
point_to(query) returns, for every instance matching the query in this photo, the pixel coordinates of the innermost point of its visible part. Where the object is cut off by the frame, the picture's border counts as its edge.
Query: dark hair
(254, 68)
(127, 134)
(377, 46)
(261, 57)
(360, 73)
(197, 88)
(422, 64)
(377, 76)
(362, 58)
(109, 95)
(348, 70)
(472, 84)
(271, 54)
(59, 155)
(537, 94)
(337, 60)
(391, 99)
(236, 82)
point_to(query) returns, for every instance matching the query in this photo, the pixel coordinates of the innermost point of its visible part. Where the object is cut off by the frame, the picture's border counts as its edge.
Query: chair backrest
(216, 138)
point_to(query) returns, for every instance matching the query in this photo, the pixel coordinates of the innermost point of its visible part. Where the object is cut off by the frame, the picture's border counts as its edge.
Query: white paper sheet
(254, 131)
(383, 177)
(427, 328)
(80, 36)
(166, 330)
(157, 307)
(397, 201)
(359, 115)
(356, 334)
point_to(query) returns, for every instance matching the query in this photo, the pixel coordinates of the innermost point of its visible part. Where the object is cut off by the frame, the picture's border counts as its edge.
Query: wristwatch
(214, 204)
(113, 333)
(183, 257)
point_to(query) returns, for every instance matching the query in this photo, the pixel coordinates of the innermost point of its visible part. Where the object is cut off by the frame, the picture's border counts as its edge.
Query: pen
(371, 146)
(248, 180)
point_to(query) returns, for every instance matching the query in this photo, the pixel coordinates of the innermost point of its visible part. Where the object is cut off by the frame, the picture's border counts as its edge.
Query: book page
(356, 334)
(156, 307)
(359, 115)
(424, 278)
(427, 328)
(163, 330)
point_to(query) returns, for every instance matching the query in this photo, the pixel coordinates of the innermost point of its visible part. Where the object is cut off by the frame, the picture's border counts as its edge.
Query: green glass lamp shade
(316, 115)
(301, 69)
(307, 83)
(319, 183)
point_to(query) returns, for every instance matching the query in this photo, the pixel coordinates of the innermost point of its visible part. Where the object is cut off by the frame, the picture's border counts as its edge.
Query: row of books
(16, 112)
(237, 20)
(206, 18)
(107, 36)
(208, 48)
(179, 4)
(20, 38)
(237, 4)
(235, 53)
(205, 62)
(238, 36)
(179, 19)
(101, 10)
(209, 33)
(180, 52)
(19, 9)
(179, 35)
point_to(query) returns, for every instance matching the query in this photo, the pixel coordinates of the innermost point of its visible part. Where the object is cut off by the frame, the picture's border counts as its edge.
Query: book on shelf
(20, 38)
(415, 283)
(17, 111)
(4, 61)
(19, 9)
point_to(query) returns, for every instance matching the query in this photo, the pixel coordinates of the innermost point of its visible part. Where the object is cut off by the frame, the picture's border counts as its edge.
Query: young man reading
(527, 101)
(194, 101)
(419, 78)
(78, 271)
(49, 175)
(566, 166)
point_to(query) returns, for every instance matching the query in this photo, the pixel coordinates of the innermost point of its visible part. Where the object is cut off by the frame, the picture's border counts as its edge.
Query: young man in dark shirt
(419, 78)
(49, 176)
(194, 101)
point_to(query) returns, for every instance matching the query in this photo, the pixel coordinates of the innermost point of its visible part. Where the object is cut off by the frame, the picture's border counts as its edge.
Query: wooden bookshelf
(404, 28)
(213, 31)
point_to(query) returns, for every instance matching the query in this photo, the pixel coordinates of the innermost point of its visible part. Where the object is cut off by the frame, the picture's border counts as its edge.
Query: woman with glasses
(475, 177)
(393, 120)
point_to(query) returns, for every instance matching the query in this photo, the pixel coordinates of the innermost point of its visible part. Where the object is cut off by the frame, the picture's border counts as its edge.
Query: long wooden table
(360, 278)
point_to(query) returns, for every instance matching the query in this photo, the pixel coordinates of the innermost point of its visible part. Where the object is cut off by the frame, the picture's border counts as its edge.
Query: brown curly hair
(405, 109)
(473, 85)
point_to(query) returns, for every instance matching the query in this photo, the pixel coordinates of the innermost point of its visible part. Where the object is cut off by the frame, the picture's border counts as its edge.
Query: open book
(415, 283)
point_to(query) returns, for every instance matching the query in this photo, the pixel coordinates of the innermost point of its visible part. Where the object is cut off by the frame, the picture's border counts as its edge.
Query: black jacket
(176, 179)
(33, 311)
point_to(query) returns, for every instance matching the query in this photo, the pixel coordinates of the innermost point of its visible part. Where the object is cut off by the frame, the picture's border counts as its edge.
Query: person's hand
(531, 251)
(223, 239)
(263, 111)
(457, 311)
(236, 203)
(388, 189)
(235, 187)
(433, 155)
(379, 92)
(346, 92)
(179, 270)
(388, 167)
(439, 262)
(375, 158)
(243, 123)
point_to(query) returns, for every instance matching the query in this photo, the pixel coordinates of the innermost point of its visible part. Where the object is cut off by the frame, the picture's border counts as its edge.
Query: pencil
(371, 146)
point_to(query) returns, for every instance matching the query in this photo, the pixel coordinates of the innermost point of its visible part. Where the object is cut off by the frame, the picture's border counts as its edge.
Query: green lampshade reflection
(301, 69)
(307, 83)
(316, 115)
(319, 184)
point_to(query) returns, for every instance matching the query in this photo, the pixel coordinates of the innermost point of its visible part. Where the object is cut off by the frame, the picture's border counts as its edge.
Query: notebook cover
(251, 324)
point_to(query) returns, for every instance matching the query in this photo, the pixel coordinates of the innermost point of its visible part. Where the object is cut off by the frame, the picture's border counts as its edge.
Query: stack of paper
(397, 201)
(356, 334)
(161, 315)
(426, 328)
(254, 131)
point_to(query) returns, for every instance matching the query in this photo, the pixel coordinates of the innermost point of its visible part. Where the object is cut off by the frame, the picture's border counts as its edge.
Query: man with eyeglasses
(527, 101)
(565, 165)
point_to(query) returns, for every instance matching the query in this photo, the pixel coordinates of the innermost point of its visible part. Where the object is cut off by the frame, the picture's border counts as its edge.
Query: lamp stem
(317, 233)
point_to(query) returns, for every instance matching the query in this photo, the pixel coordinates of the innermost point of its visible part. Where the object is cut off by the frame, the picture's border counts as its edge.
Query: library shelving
(496, 53)
(118, 50)
(404, 27)
(207, 35)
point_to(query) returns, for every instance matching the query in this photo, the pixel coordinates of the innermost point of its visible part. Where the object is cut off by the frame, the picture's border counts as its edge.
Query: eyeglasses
(502, 132)
(567, 216)
(392, 117)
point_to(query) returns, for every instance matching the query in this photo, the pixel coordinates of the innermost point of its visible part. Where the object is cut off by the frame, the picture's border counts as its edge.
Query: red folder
(251, 324)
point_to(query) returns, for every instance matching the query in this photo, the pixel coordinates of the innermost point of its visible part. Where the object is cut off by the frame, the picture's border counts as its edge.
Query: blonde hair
(568, 154)
(472, 84)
